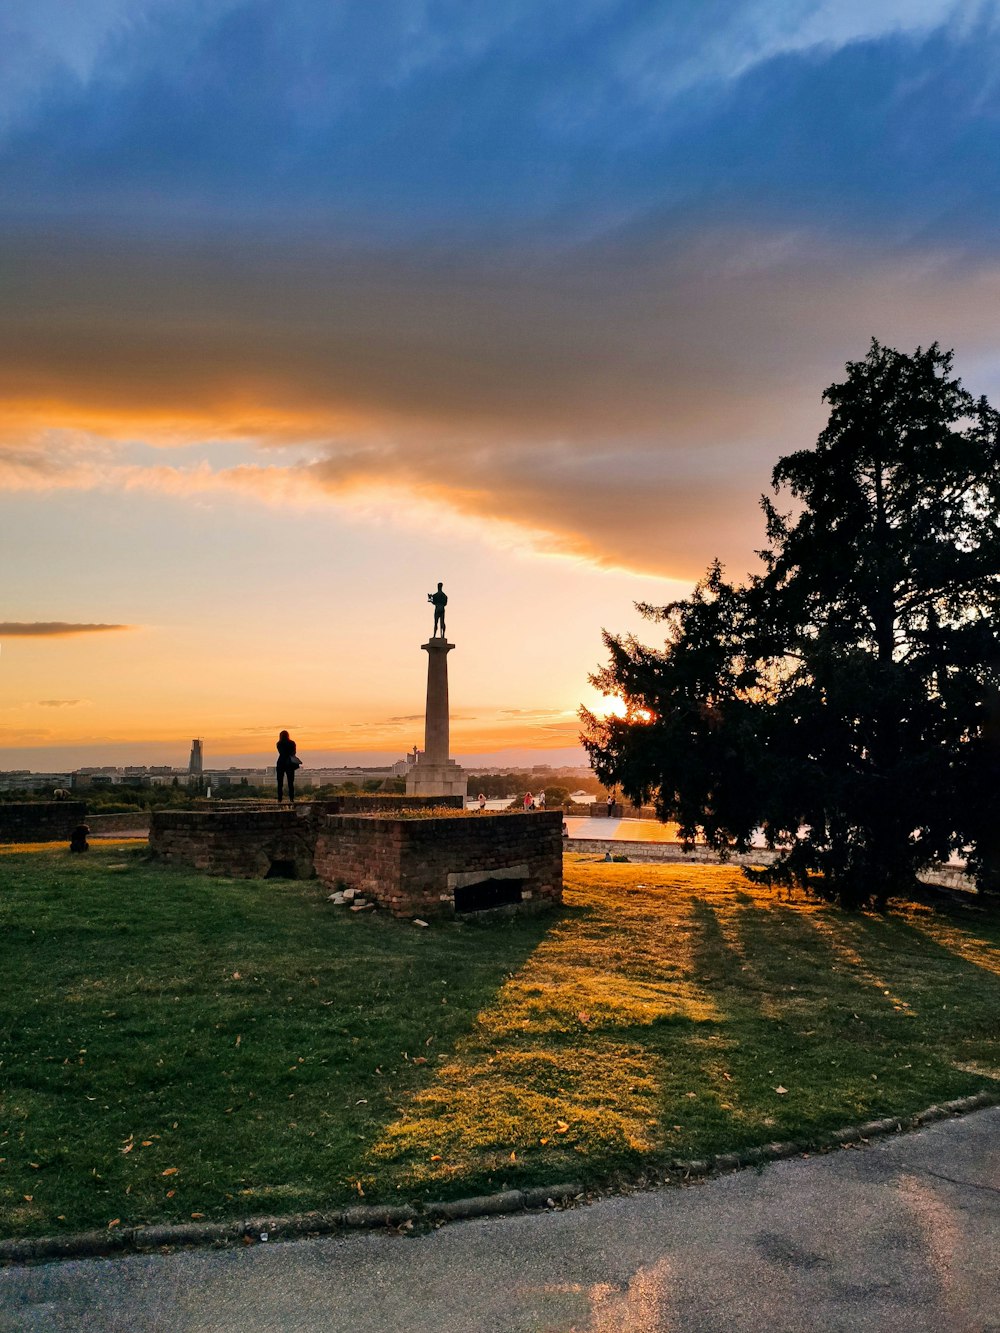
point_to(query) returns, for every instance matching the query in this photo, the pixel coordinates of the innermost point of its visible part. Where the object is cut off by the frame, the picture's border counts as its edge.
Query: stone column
(437, 734)
(435, 773)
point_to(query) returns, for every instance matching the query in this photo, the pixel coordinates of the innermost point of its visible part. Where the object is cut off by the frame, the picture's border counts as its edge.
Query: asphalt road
(900, 1235)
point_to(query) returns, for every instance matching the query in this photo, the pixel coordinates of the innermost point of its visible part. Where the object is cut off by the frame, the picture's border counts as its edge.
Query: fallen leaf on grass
(171, 1193)
(435, 1157)
(197, 1214)
(115, 1221)
(170, 1171)
(584, 1018)
(562, 1127)
(28, 1198)
(128, 1147)
(781, 1090)
(513, 1157)
(543, 1142)
(419, 1060)
(147, 1143)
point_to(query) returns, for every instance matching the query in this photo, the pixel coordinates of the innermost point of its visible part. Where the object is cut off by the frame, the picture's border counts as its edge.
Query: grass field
(173, 1046)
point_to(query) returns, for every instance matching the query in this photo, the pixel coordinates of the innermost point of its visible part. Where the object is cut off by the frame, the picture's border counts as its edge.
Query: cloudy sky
(307, 305)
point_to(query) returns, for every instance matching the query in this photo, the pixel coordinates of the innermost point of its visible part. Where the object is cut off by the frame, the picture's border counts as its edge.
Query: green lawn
(175, 1046)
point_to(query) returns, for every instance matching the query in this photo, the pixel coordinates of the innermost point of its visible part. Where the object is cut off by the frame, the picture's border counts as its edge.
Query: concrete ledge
(94, 1244)
(483, 1205)
(465, 877)
(667, 852)
(379, 1215)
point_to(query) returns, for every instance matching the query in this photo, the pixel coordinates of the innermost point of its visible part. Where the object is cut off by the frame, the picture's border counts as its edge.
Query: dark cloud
(623, 402)
(581, 269)
(51, 628)
(60, 703)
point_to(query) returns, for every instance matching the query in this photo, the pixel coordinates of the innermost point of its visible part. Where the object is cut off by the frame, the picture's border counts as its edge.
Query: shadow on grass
(181, 1046)
(850, 1017)
(668, 1023)
(563, 1074)
(174, 1045)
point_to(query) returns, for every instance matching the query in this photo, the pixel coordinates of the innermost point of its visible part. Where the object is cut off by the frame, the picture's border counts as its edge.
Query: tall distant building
(195, 762)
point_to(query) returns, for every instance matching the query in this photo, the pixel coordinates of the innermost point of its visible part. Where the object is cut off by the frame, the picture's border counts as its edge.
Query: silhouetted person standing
(440, 600)
(287, 763)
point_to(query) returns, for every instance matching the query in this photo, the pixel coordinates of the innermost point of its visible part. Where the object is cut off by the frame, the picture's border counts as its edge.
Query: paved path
(899, 1237)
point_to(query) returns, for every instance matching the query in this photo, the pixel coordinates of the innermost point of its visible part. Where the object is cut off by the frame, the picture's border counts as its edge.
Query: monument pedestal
(435, 773)
(437, 779)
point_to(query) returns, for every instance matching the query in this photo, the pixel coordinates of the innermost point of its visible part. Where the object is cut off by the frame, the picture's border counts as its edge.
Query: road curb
(255, 1230)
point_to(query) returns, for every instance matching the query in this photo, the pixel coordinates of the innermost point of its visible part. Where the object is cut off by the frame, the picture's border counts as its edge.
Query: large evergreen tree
(846, 699)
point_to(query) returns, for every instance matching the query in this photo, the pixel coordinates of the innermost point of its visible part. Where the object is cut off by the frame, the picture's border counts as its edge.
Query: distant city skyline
(308, 308)
(58, 758)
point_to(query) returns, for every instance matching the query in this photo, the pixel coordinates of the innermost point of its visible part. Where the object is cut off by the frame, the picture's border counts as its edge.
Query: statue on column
(440, 601)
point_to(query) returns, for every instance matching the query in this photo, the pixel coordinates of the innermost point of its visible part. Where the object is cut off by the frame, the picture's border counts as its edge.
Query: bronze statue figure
(440, 601)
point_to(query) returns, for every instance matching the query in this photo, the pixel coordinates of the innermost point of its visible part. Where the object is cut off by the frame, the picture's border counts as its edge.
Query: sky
(306, 306)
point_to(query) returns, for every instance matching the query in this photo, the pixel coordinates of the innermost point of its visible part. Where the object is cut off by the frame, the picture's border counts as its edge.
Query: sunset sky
(306, 305)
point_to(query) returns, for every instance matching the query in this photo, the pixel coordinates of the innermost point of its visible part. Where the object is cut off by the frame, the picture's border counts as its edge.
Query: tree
(844, 700)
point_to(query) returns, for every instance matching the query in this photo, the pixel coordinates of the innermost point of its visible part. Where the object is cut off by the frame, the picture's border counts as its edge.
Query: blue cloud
(401, 119)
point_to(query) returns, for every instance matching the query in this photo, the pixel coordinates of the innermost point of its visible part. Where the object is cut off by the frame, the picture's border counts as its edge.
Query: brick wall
(40, 821)
(242, 844)
(411, 866)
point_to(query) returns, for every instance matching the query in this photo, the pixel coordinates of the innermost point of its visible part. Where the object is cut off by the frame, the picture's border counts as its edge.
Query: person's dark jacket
(286, 750)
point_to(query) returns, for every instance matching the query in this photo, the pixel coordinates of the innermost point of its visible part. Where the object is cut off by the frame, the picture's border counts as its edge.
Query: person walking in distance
(288, 762)
(482, 802)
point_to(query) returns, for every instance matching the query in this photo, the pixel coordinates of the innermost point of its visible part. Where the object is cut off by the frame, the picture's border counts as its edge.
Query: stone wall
(242, 844)
(415, 867)
(40, 821)
(135, 822)
(365, 803)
